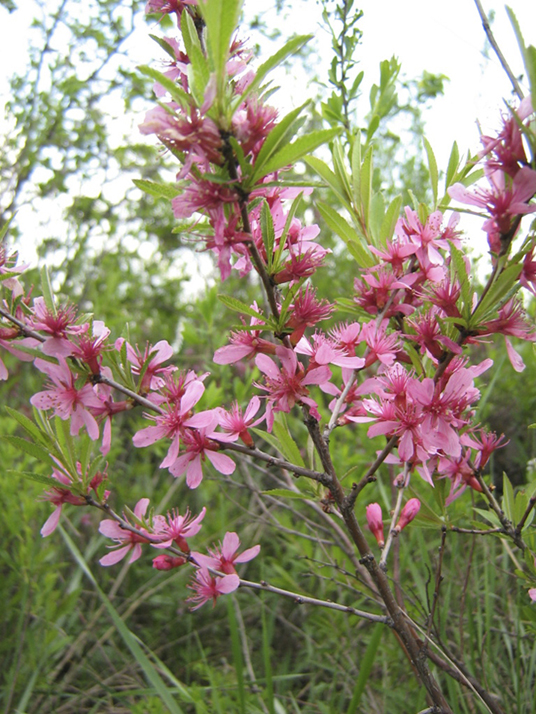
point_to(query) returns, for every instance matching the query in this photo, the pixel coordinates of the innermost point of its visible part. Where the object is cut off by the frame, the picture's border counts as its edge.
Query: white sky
(441, 37)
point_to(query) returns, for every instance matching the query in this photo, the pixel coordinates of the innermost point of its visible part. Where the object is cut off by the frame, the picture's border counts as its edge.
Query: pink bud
(167, 562)
(409, 512)
(375, 522)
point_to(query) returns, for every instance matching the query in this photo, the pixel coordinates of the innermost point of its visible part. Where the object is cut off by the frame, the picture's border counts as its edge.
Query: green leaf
(131, 641)
(289, 48)
(332, 180)
(366, 185)
(432, 167)
(39, 478)
(452, 167)
(221, 19)
(46, 289)
(507, 280)
(280, 135)
(508, 498)
(285, 493)
(390, 219)
(5, 228)
(28, 425)
(165, 46)
(377, 213)
(32, 449)
(290, 153)
(198, 70)
(365, 667)
(268, 234)
(177, 93)
(289, 447)
(345, 231)
(461, 274)
(239, 306)
(159, 190)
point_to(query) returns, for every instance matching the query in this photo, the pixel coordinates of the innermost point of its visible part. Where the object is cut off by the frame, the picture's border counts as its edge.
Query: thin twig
(497, 49)
(306, 600)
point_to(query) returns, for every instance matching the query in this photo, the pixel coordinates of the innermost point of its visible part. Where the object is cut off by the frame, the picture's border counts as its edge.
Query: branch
(306, 600)
(497, 49)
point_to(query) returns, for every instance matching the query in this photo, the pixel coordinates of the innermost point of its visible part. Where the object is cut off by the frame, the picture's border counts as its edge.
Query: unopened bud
(375, 522)
(167, 562)
(409, 512)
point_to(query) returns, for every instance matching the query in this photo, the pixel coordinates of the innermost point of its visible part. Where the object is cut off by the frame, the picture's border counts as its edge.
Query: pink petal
(227, 584)
(248, 554)
(148, 436)
(222, 463)
(514, 357)
(194, 473)
(52, 522)
(115, 556)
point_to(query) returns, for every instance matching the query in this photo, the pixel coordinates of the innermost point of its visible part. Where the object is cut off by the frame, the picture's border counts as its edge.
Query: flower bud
(375, 522)
(409, 512)
(167, 562)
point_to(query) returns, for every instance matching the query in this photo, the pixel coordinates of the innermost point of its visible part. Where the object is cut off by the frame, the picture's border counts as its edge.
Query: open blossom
(209, 587)
(235, 424)
(66, 400)
(149, 361)
(172, 423)
(89, 345)
(175, 529)
(60, 494)
(59, 324)
(126, 540)
(224, 558)
(288, 386)
(504, 199)
(246, 343)
(199, 445)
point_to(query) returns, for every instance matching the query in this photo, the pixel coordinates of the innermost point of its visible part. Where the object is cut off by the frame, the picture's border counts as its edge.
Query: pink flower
(210, 587)
(288, 386)
(375, 522)
(236, 425)
(200, 445)
(59, 324)
(409, 512)
(66, 400)
(89, 347)
(246, 343)
(172, 424)
(176, 528)
(125, 539)
(532, 594)
(224, 558)
(149, 362)
(168, 562)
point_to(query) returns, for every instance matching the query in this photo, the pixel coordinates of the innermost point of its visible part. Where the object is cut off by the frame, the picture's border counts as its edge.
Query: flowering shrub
(402, 364)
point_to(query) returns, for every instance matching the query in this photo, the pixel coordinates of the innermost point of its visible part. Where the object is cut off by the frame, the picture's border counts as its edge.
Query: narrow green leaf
(28, 425)
(32, 449)
(356, 169)
(177, 93)
(165, 46)
(289, 447)
(268, 234)
(237, 652)
(280, 135)
(508, 279)
(46, 289)
(366, 185)
(365, 667)
(432, 167)
(461, 274)
(130, 640)
(238, 306)
(377, 213)
(5, 228)
(508, 501)
(332, 180)
(159, 190)
(39, 478)
(452, 167)
(198, 70)
(285, 493)
(283, 238)
(345, 231)
(269, 687)
(289, 48)
(390, 219)
(221, 19)
(291, 153)
(339, 165)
